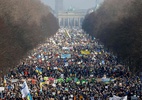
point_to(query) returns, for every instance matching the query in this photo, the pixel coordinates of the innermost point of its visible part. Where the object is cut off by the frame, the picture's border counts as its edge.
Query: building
(71, 18)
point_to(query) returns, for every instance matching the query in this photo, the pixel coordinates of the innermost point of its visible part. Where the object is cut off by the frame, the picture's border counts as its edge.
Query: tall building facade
(59, 6)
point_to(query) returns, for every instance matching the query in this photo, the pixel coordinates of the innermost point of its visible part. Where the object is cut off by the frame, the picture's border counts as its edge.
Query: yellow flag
(67, 34)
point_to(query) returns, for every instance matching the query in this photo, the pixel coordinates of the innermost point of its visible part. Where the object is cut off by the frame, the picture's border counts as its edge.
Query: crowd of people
(71, 65)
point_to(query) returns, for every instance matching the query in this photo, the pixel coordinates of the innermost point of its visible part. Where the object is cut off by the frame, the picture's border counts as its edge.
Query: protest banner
(2, 89)
(85, 52)
(14, 80)
(118, 98)
(65, 56)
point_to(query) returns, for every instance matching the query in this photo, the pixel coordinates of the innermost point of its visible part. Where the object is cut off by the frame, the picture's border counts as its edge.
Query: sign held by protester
(1, 89)
(85, 52)
(65, 56)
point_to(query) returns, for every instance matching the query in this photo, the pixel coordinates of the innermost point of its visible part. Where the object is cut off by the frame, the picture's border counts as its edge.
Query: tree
(23, 24)
(117, 23)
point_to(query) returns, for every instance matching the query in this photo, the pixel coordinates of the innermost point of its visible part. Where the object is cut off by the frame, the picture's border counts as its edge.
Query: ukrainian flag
(29, 97)
(39, 70)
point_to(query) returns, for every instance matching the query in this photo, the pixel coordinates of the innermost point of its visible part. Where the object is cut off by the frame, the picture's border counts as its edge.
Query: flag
(53, 42)
(24, 90)
(60, 69)
(85, 52)
(29, 97)
(40, 85)
(39, 70)
(45, 78)
(65, 48)
(68, 79)
(60, 80)
(83, 81)
(4, 82)
(67, 33)
(78, 82)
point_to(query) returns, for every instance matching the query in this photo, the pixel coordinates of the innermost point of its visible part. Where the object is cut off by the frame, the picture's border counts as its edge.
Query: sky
(77, 4)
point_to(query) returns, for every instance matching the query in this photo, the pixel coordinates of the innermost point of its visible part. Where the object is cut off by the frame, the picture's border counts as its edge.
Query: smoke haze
(77, 4)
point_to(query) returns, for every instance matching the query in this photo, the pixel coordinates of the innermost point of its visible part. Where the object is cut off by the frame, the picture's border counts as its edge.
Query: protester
(71, 66)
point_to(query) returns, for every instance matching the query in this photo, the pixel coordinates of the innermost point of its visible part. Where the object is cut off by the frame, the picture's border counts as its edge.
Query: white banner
(1, 89)
(118, 98)
(14, 80)
(67, 48)
(125, 98)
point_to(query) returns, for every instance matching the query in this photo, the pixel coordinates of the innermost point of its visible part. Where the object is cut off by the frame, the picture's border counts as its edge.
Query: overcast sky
(77, 4)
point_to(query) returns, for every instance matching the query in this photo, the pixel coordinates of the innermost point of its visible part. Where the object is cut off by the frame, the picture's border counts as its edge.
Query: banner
(125, 98)
(118, 98)
(105, 79)
(85, 52)
(67, 48)
(65, 56)
(1, 89)
(134, 98)
(14, 80)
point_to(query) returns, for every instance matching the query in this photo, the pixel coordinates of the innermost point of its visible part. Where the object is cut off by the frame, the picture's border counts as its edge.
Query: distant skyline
(77, 4)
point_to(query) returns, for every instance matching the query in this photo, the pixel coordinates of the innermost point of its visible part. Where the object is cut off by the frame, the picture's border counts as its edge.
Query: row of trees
(118, 24)
(23, 25)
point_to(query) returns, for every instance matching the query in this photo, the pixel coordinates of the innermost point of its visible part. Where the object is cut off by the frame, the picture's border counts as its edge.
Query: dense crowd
(71, 66)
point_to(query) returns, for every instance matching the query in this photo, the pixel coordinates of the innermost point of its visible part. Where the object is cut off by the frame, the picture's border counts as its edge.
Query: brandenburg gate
(71, 19)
